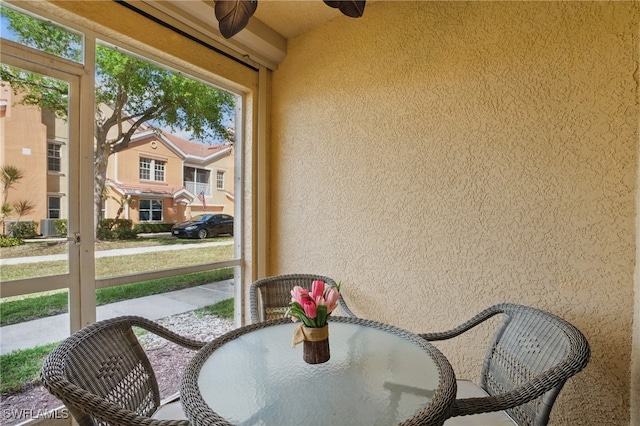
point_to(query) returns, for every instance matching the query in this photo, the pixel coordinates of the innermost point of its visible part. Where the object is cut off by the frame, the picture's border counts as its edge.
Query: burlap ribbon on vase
(310, 334)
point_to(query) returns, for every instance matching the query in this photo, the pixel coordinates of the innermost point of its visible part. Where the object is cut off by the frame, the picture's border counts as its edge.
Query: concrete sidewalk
(54, 329)
(114, 252)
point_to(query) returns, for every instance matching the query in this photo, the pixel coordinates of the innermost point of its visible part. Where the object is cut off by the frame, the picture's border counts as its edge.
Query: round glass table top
(374, 377)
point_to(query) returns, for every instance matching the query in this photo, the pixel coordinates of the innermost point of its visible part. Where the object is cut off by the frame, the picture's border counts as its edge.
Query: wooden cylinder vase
(316, 349)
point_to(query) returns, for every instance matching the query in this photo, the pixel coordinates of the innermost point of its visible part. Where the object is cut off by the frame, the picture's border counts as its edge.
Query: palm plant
(9, 176)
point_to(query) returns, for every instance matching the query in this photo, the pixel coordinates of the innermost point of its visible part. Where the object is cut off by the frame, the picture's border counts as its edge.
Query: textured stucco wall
(440, 157)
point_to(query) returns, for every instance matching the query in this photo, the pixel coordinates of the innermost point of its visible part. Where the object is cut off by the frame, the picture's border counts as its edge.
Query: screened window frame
(246, 91)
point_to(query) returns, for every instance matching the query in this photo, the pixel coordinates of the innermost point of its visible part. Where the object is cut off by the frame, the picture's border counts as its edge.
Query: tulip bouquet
(315, 306)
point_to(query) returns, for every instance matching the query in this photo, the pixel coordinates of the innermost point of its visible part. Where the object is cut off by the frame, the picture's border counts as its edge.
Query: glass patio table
(377, 375)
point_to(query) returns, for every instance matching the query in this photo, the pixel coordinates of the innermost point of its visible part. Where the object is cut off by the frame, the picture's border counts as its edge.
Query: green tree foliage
(135, 92)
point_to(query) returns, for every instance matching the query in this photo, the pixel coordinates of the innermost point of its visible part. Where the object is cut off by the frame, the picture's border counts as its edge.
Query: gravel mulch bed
(168, 360)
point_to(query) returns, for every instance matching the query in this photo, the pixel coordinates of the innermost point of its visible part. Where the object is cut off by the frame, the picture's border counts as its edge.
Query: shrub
(141, 228)
(116, 229)
(10, 241)
(22, 229)
(61, 226)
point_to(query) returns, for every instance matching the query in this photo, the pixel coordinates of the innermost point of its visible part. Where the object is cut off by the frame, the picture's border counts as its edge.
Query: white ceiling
(294, 17)
(264, 40)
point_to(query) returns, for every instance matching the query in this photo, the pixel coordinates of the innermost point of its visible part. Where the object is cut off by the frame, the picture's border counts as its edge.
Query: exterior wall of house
(23, 142)
(57, 182)
(223, 198)
(440, 157)
(127, 170)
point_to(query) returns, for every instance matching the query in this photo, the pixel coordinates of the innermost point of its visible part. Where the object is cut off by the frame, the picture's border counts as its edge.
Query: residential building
(159, 177)
(33, 140)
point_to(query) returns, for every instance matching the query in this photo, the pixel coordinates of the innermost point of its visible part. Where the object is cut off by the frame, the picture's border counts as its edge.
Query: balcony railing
(196, 187)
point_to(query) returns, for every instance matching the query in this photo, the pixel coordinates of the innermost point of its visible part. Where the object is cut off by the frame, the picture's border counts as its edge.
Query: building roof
(192, 148)
(142, 189)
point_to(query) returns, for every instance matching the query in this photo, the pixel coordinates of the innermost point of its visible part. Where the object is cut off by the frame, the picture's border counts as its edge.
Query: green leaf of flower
(321, 315)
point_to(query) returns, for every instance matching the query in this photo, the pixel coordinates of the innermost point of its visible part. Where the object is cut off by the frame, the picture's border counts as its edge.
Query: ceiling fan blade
(233, 15)
(351, 8)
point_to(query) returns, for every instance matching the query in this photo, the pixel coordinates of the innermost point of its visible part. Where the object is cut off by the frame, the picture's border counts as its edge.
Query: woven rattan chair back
(532, 355)
(270, 297)
(103, 376)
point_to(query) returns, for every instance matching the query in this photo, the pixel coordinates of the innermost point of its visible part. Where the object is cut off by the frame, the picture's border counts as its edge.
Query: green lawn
(22, 367)
(122, 265)
(26, 308)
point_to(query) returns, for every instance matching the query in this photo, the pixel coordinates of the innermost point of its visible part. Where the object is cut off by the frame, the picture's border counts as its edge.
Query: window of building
(220, 179)
(150, 210)
(158, 169)
(151, 169)
(196, 180)
(145, 169)
(54, 208)
(54, 157)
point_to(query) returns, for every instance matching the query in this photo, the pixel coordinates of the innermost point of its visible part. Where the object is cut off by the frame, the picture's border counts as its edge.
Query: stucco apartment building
(164, 178)
(160, 177)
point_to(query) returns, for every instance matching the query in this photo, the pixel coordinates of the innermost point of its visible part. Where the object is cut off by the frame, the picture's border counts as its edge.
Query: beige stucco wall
(124, 167)
(221, 200)
(23, 143)
(440, 157)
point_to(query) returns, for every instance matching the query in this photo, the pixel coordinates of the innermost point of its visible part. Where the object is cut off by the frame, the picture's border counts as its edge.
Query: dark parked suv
(203, 226)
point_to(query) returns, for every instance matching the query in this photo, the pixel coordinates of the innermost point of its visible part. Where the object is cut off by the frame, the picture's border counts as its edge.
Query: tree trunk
(101, 161)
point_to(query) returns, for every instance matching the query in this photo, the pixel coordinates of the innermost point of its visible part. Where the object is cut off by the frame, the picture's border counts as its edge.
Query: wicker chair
(270, 297)
(103, 376)
(532, 355)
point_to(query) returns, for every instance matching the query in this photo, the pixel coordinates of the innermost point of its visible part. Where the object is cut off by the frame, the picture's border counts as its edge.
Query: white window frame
(220, 179)
(49, 208)
(150, 210)
(57, 149)
(77, 280)
(155, 172)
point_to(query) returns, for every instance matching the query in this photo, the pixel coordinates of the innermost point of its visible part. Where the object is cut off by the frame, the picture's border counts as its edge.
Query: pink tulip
(299, 294)
(317, 289)
(332, 299)
(309, 309)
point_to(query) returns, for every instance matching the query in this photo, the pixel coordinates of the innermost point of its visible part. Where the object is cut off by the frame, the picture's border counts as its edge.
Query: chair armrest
(79, 400)
(466, 326)
(113, 414)
(165, 333)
